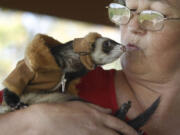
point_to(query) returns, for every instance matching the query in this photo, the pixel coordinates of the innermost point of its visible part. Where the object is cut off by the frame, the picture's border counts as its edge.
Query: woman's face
(152, 51)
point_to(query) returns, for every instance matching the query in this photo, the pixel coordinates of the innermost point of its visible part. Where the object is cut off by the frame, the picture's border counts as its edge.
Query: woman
(151, 69)
(151, 65)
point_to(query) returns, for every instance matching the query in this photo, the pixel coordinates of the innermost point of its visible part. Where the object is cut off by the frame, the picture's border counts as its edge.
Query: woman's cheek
(124, 32)
(167, 40)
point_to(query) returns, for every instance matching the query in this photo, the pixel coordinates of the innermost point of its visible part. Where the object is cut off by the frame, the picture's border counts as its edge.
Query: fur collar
(38, 56)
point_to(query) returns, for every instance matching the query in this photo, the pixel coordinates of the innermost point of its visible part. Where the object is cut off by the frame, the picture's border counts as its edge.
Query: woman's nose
(134, 26)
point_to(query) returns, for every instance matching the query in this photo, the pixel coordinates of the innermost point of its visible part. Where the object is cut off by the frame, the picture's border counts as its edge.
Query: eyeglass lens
(148, 19)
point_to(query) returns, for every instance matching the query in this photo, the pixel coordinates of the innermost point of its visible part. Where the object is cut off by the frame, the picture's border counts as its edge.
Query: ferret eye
(93, 46)
(107, 46)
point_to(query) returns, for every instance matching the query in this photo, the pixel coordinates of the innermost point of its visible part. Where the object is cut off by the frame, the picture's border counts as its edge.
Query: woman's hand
(70, 118)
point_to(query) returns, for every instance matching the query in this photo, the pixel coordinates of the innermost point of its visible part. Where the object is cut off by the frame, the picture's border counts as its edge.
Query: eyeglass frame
(133, 10)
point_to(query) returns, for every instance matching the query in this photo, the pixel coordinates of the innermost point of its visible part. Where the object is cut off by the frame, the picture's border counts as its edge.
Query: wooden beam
(92, 11)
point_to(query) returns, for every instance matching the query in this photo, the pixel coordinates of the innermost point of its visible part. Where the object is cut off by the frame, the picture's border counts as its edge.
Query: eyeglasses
(148, 19)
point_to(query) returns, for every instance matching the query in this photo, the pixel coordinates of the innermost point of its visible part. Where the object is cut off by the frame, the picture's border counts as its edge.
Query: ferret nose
(123, 48)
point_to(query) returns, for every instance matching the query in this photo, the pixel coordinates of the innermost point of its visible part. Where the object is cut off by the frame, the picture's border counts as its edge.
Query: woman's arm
(70, 118)
(15, 123)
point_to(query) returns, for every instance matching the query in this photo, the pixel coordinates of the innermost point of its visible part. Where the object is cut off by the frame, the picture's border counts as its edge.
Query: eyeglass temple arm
(171, 18)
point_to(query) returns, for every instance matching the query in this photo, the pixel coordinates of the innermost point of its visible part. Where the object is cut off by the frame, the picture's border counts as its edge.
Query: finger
(101, 109)
(106, 131)
(118, 125)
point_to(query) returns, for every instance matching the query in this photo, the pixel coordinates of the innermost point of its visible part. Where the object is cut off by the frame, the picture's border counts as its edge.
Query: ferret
(104, 51)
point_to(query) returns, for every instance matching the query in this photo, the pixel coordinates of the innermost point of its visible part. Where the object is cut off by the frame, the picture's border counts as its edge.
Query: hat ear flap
(81, 46)
(84, 46)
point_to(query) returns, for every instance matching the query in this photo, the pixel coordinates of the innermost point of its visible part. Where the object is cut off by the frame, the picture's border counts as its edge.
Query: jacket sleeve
(18, 79)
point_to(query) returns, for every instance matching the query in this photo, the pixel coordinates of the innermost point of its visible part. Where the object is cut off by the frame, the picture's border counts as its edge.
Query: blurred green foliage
(11, 29)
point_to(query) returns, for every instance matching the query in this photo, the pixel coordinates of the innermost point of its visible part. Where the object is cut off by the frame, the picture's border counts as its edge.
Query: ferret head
(105, 50)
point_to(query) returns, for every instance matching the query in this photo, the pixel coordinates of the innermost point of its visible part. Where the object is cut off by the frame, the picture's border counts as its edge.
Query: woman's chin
(133, 64)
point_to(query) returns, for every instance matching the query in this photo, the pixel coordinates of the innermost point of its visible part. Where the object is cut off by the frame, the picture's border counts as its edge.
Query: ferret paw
(121, 113)
(20, 105)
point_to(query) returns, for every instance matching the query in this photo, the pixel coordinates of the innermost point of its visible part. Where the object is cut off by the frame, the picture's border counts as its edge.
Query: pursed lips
(131, 47)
